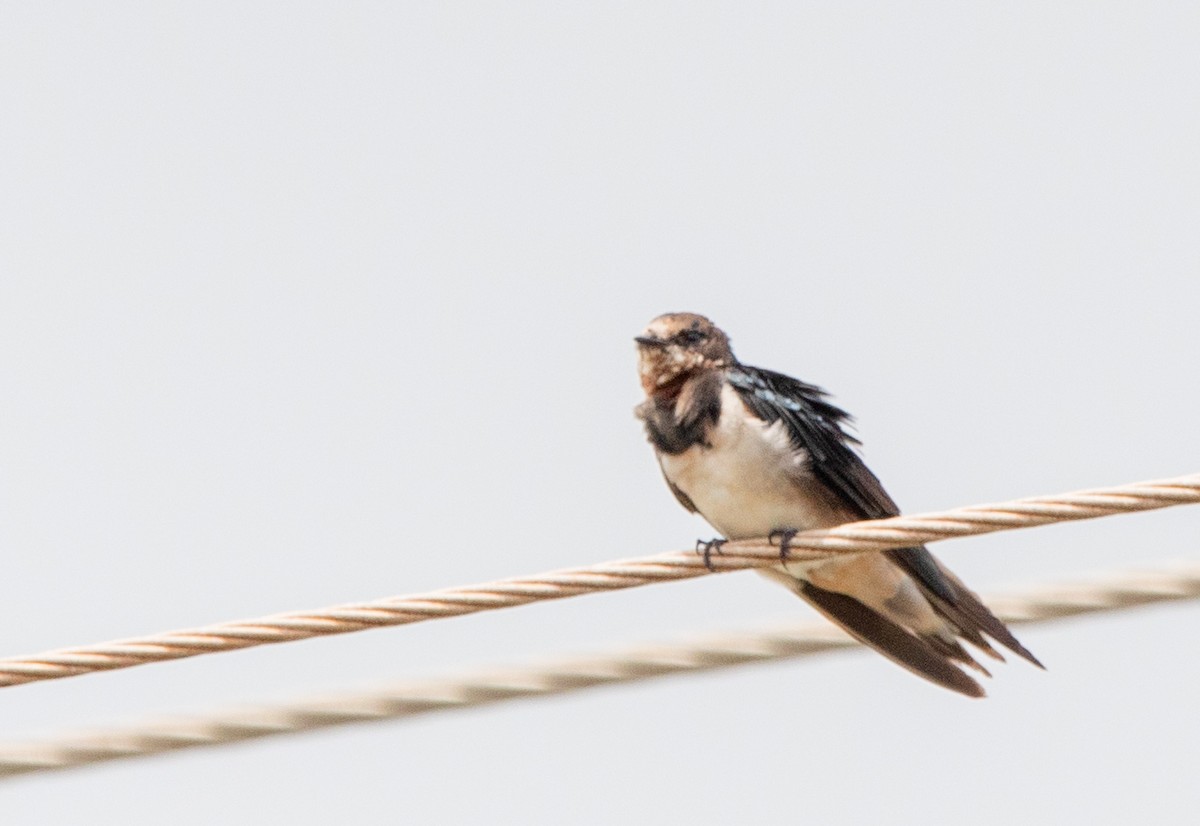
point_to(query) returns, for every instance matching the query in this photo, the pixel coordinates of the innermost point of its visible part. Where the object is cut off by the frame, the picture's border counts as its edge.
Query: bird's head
(676, 345)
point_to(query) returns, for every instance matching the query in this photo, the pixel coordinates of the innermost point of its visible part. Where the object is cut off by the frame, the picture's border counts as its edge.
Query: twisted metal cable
(1112, 591)
(873, 535)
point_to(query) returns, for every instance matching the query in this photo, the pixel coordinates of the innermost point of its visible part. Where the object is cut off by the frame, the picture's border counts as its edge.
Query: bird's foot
(707, 548)
(785, 539)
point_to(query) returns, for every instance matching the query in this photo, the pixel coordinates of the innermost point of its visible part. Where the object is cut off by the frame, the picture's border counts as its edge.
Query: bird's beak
(649, 341)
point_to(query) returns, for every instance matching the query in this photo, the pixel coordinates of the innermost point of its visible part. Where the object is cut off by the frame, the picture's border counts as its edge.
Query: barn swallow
(757, 453)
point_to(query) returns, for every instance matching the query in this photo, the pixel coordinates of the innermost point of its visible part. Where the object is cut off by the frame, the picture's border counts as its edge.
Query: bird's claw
(706, 548)
(785, 538)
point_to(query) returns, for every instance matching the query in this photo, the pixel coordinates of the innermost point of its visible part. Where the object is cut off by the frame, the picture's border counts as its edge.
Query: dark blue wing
(816, 426)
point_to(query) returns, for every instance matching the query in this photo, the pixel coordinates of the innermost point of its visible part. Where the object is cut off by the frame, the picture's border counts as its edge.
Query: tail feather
(959, 604)
(954, 650)
(922, 656)
(968, 603)
(966, 626)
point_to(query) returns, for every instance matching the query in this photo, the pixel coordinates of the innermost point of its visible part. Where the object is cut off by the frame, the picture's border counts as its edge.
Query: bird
(758, 453)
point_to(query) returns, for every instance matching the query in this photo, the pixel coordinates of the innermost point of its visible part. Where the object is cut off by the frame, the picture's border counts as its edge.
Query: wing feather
(819, 427)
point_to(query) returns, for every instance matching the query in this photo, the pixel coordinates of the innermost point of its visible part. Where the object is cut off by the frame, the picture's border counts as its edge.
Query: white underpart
(750, 481)
(745, 483)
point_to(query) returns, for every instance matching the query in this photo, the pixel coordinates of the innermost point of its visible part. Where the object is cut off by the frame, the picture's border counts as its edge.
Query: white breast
(749, 481)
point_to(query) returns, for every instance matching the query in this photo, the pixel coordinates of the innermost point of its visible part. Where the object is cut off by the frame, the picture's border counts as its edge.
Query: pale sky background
(310, 303)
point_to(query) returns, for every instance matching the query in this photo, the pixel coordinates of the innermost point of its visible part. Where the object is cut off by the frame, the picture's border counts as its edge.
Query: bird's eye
(691, 337)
